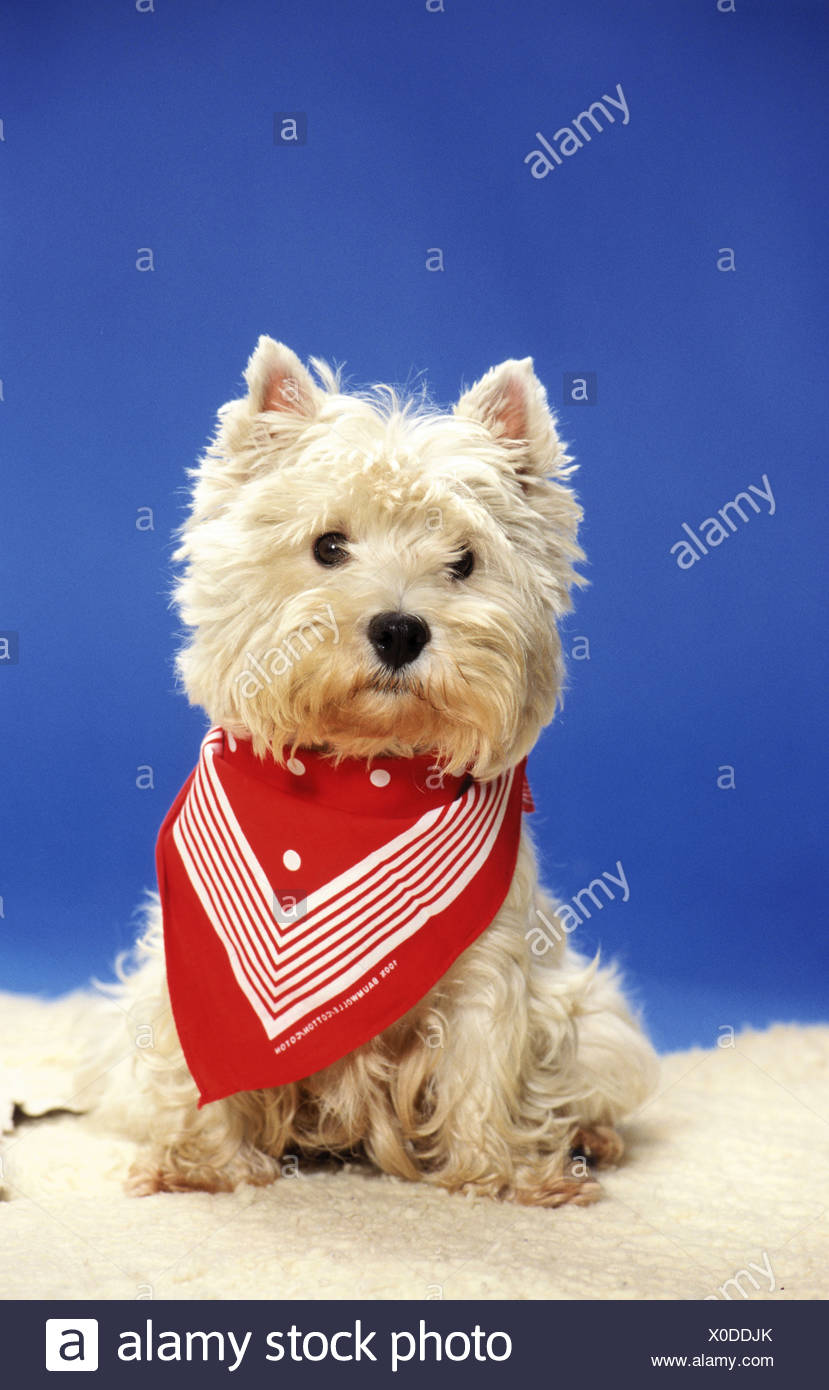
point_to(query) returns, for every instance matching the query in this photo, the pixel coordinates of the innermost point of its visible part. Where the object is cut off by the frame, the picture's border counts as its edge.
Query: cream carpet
(724, 1193)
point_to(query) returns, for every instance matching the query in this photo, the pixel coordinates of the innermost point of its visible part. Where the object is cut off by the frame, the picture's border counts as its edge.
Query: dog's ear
(511, 403)
(277, 381)
(255, 431)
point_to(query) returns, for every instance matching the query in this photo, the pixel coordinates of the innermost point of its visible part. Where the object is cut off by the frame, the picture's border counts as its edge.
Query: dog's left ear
(511, 403)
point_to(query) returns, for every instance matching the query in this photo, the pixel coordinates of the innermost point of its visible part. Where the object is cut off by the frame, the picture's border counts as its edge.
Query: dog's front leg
(498, 1120)
(212, 1149)
(183, 1148)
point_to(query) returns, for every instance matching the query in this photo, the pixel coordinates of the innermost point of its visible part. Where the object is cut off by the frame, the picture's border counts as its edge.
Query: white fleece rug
(724, 1193)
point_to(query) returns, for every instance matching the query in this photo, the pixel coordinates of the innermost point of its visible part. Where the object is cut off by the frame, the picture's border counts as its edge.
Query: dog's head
(366, 576)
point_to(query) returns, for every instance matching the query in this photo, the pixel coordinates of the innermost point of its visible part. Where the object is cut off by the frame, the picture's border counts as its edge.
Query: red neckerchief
(308, 907)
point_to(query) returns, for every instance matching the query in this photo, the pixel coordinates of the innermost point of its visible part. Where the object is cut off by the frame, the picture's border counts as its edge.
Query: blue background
(125, 130)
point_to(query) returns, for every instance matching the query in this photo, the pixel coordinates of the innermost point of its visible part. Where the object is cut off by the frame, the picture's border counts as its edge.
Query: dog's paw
(559, 1192)
(167, 1171)
(146, 1177)
(544, 1183)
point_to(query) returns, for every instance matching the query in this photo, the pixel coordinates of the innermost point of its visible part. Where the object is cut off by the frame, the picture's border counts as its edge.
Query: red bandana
(308, 907)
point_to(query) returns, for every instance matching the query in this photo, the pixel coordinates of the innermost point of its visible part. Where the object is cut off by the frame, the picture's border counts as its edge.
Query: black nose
(397, 638)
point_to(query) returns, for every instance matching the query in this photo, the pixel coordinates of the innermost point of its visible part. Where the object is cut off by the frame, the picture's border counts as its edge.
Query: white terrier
(372, 589)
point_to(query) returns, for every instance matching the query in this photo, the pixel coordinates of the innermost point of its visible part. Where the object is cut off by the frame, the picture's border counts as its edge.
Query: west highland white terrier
(348, 954)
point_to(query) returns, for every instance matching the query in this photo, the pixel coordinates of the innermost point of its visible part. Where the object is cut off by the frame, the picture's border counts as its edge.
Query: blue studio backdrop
(413, 186)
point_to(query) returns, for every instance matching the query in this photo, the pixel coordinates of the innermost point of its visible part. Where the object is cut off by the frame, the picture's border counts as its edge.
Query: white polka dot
(231, 742)
(296, 767)
(291, 859)
(379, 777)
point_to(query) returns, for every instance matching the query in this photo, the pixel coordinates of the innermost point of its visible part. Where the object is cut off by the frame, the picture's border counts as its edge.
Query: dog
(371, 588)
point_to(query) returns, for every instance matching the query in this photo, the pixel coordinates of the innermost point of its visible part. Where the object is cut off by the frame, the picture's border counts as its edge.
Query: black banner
(142, 1343)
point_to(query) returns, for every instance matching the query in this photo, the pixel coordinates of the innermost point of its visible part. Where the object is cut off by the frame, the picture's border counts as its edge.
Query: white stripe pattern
(353, 922)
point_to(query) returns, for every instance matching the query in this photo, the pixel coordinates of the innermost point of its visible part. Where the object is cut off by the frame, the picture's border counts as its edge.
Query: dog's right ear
(277, 381)
(254, 431)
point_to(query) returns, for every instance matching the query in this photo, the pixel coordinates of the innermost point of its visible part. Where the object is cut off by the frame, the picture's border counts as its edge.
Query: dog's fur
(507, 1079)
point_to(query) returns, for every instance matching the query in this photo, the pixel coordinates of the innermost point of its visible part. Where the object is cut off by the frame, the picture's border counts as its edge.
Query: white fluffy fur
(512, 1060)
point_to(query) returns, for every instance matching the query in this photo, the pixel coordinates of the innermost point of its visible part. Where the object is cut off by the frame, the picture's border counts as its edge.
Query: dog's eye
(463, 566)
(331, 549)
